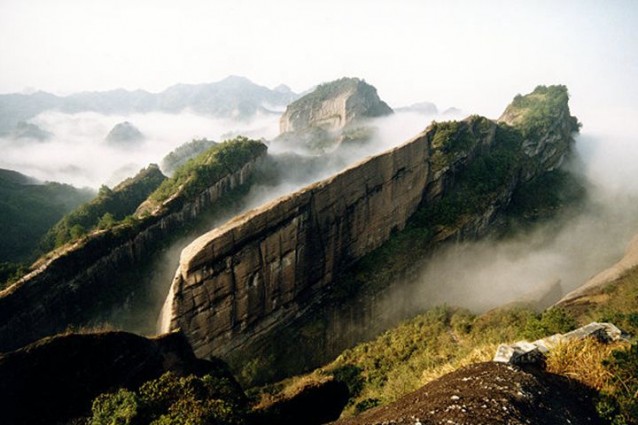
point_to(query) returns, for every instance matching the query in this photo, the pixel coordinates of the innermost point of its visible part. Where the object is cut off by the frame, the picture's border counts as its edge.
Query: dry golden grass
(482, 353)
(291, 387)
(582, 361)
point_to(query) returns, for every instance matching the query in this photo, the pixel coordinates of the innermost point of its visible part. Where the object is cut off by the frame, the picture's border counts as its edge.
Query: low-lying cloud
(570, 250)
(78, 153)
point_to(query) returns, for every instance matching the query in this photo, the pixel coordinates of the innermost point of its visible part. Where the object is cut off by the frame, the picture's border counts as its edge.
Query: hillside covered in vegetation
(28, 208)
(109, 207)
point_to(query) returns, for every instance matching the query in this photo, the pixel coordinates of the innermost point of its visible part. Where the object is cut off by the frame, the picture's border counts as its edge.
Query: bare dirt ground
(488, 393)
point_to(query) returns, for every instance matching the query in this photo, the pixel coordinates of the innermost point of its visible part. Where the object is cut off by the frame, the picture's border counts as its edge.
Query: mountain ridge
(230, 97)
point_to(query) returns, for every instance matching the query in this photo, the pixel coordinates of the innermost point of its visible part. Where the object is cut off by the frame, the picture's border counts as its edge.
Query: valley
(283, 258)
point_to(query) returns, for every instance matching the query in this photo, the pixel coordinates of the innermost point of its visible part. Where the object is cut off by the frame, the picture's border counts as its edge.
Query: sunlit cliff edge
(266, 268)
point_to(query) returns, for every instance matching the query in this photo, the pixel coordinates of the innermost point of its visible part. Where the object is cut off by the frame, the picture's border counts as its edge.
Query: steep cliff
(268, 267)
(80, 282)
(321, 117)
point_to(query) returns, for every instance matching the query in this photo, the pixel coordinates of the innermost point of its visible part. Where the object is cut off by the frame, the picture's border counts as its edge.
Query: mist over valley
(251, 213)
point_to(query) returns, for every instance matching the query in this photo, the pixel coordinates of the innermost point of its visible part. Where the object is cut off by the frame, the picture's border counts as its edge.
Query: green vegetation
(545, 195)
(27, 211)
(197, 173)
(619, 403)
(183, 153)
(446, 338)
(105, 211)
(335, 88)
(172, 400)
(326, 91)
(11, 272)
(536, 112)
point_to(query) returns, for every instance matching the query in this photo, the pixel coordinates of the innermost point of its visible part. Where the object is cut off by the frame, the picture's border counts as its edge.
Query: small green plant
(619, 403)
(552, 321)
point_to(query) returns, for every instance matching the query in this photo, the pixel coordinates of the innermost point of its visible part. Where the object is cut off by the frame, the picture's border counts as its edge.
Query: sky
(469, 54)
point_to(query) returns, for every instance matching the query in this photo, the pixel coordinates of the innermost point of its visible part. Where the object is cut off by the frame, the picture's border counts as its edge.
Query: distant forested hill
(28, 209)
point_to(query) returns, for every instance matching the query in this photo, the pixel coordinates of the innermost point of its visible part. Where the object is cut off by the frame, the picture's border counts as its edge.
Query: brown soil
(489, 393)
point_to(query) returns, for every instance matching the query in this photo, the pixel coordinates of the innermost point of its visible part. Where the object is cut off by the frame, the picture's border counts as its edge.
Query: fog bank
(570, 249)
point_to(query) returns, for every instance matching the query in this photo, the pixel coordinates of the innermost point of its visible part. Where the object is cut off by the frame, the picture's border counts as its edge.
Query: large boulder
(489, 393)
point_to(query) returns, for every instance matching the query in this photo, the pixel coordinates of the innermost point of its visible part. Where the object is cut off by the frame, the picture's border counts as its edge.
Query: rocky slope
(81, 282)
(489, 393)
(266, 268)
(332, 113)
(56, 379)
(334, 105)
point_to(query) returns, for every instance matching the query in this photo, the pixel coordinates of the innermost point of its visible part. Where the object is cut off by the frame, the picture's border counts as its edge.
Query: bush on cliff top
(200, 172)
(183, 153)
(534, 113)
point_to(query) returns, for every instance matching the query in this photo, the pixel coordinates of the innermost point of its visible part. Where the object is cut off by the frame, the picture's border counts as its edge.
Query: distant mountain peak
(124, 133)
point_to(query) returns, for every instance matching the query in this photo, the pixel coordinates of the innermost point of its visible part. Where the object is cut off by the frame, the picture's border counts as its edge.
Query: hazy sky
(471, 54)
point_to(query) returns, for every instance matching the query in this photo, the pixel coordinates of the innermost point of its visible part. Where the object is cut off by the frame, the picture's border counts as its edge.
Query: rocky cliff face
(332, 113)
(83, 281)
(334, 105)
(268, 267)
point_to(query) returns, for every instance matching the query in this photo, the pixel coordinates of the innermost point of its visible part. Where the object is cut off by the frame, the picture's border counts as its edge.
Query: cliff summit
(321, 116)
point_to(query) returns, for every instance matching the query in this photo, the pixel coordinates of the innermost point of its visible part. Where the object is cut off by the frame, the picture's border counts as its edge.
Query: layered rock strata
(332, 106)
(77, 284)
(265, 268)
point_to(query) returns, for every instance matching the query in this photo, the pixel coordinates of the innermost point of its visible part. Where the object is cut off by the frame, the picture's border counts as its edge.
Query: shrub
(172, 400)
(120, 408)
(552, 321)
(619, 402)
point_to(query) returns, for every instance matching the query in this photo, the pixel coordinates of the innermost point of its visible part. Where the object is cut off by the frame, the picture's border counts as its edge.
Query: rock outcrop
(319, 119)
(56, 378)
(81, 282)
(489, 393)
(605, 277)
(269, 266)
(334, 105)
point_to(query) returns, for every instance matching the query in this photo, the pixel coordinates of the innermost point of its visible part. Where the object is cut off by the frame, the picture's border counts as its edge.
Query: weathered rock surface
(267, 267)
(57, 378)
(533, 352)
(84, 280)
(333, 113)
(489, 393)
(332, 106)
(261, 264)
